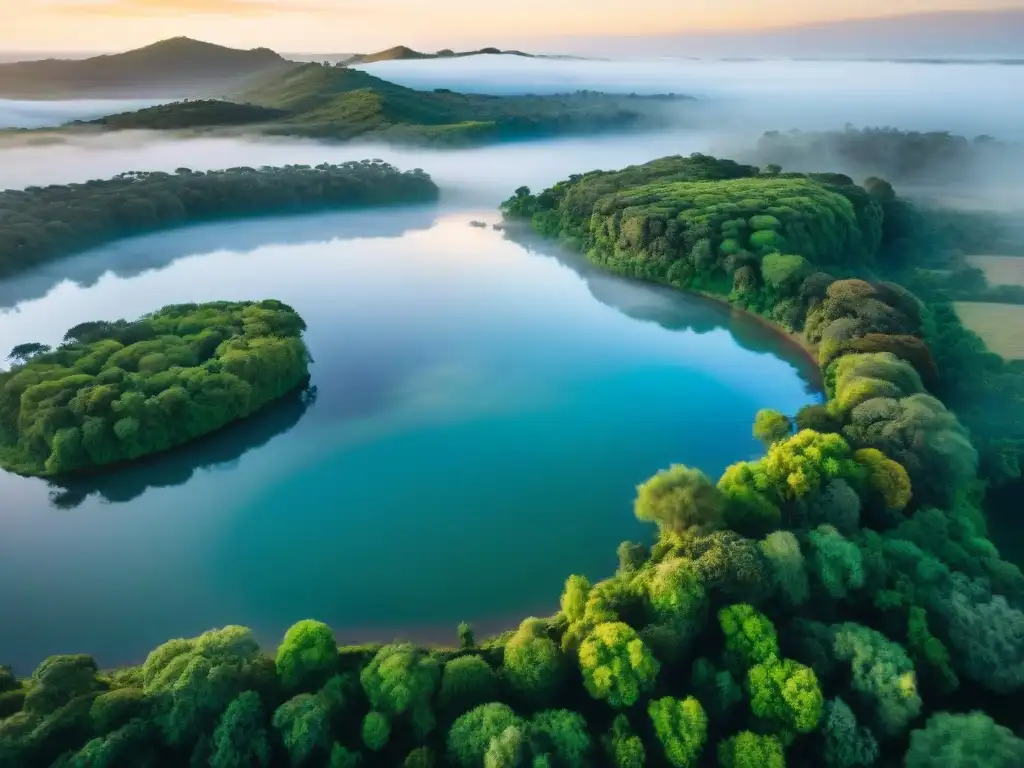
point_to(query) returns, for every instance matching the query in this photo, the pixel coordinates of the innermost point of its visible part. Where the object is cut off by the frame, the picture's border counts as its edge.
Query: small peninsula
(40, 224)
(116, 391)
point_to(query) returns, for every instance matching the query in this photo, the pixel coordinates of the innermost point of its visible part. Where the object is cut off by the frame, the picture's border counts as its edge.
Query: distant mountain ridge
(404, 53)
(179, 66)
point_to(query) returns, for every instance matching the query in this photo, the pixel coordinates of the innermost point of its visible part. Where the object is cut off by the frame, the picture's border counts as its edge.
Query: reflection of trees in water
(672, 309)
(219, 449)
(133, 256)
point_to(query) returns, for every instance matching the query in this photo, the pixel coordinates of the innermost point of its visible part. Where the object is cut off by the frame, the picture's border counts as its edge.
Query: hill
(404, 53)
(176, 67)
(340, 103)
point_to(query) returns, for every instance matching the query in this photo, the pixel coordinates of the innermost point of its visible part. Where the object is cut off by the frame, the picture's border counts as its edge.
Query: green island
(117, 391)
(836, 603)
(40, 224)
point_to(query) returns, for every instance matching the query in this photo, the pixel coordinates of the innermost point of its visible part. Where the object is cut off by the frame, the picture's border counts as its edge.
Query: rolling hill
(176, 67)
(339, 103)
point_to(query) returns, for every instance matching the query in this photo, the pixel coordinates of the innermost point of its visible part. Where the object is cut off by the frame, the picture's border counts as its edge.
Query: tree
(749, 750)
(616, 665)
(847, 744)
(307, 656)
(466, 682)
(240, 740)
(749, 635)
(23, 352)
(882, 673)
(771, 426)
(681, 727)
(533, 663)
(786, 562)
(376, 731)
(886, 476)
(341, 757)
(401, 678)
(623, 747)
(786, 693)
(973, 740)
(304, 725)
(470, 736)
(567, 734)
(680, 499)
(466, 637)
(675, 590)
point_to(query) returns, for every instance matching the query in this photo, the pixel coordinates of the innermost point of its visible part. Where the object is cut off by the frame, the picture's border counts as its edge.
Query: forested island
(116, 391)
(39, 224)
(834, 603)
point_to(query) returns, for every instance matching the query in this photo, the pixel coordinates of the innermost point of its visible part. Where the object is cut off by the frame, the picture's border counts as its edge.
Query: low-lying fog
(739, 100)
(47, 114)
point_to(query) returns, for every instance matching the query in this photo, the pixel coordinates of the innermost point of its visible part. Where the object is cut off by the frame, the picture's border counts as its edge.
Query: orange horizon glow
(330, 26)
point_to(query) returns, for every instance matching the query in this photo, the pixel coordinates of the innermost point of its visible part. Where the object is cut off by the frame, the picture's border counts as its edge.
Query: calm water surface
(481, 415)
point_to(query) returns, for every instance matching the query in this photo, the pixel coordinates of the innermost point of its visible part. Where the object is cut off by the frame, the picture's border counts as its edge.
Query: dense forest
(339, 103)
(902, 157)
(834, 603)
(116, 391)
(39, 224)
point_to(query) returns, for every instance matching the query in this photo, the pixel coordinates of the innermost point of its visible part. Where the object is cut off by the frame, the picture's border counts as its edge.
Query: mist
(49, 114)
(737, 102)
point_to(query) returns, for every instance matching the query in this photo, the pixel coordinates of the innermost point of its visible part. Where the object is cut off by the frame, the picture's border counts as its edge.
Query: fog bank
(48, 114)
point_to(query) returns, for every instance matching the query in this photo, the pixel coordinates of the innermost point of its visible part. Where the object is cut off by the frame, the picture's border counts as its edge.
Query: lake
(481, 413)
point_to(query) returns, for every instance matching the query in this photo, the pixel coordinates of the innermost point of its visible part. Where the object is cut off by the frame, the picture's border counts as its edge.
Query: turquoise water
(481, 414)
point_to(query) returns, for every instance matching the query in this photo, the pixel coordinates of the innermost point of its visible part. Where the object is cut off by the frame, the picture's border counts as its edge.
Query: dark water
(481, 415)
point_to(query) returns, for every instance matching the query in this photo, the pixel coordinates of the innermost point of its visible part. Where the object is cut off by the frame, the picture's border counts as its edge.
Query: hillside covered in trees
(338, 103)
(834, 603)
(113, 392)
(39, 224)
(178, 66)
(902, 157)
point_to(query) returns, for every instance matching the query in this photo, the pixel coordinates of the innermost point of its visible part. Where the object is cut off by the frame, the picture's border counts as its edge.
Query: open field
(1001, 326)
(1000, 270)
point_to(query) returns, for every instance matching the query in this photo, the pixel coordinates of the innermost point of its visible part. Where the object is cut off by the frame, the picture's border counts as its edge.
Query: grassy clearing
(1000, 270)
(1000, 326)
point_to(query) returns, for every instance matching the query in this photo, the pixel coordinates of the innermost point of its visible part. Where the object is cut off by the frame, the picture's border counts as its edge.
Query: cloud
(237, 8)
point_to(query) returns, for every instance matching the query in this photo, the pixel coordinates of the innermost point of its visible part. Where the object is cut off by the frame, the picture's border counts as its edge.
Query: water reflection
(134, 256)
(219, 450)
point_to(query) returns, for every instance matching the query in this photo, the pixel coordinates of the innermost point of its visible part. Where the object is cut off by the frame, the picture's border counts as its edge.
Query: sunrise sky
(361, 25)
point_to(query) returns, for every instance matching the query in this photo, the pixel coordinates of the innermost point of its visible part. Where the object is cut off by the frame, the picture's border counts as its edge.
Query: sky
(335, 26)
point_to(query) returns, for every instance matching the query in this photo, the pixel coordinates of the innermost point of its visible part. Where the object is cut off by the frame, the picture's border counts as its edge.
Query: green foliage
(928, 652)
(466, 682)
(467, 639)
(401, 679)
(883, 675)
(783, 273)
(680, 499)
(471, 735)
(566, 732)
(771, 426)
(307, 656)
(681, 727)
(341, 757)
(376, 731)
(533, 664)
(749, 635)
(786, 693)
(676, 591)
(781, 550)
(303, 724)
(623, 748)
(421, 757)
(847, 745)
(42, 223)
(58, 680)
(117, 708)
(749, 750)
(118, 391)
(964, 741)
(837, 562)
(240, 740)
(617, 667)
